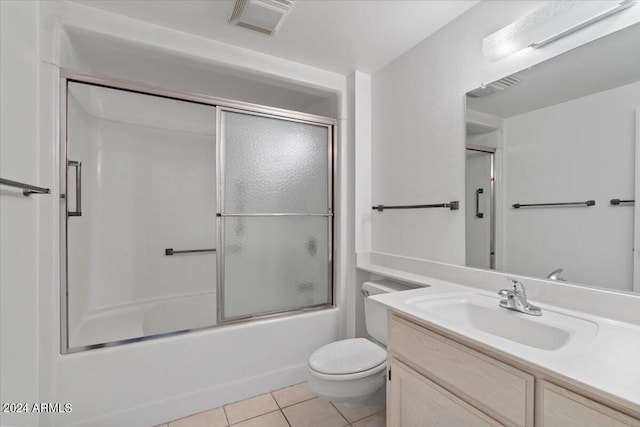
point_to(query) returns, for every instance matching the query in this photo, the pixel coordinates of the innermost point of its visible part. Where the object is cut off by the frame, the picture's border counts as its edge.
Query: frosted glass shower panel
(274, 264)
(274, 165)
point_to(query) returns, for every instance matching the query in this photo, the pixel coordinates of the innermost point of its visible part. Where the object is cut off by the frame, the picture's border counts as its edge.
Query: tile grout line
(226, 417)
(341, 414)
(285, 418)
(224, 411)
(280, 407)
(286, 406)
(266, 413)
(302, 401)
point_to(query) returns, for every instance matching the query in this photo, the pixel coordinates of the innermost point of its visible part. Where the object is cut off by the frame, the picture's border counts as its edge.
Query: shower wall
(155, 193)
(478, 230)
(148, 183)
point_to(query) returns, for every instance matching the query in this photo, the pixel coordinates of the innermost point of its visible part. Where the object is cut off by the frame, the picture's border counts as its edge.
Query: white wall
(418, 126)
(152, 382)
(19, 67)
(577, 150)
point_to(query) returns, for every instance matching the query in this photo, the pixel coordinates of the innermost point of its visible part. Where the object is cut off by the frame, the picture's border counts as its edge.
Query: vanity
(457, 358)
(540, 204)
(550, 155)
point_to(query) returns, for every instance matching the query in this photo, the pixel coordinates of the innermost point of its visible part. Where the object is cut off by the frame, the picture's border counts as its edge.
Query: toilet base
(375, 399)
(365, 391)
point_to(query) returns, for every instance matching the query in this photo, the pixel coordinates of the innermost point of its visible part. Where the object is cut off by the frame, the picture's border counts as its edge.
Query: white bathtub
(145, 319)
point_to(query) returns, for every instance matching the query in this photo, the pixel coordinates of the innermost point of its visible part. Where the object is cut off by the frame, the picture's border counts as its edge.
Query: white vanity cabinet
(436, 381)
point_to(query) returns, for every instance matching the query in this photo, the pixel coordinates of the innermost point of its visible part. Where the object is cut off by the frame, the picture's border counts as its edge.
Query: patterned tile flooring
(295, 406)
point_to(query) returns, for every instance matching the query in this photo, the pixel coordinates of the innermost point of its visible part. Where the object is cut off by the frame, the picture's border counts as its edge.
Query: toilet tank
(375, 315)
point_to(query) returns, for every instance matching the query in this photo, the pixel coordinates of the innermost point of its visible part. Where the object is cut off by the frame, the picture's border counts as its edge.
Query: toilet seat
(348, 359)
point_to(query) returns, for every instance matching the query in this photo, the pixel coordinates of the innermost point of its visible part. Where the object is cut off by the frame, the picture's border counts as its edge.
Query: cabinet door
(563, 408)
(497, 389)
(415, 401)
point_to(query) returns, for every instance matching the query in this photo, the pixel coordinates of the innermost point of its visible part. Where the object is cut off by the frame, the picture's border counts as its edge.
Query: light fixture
(264, 16)
(547, 24)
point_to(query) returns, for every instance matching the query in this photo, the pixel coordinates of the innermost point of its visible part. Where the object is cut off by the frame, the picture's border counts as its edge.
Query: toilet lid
(347, 357)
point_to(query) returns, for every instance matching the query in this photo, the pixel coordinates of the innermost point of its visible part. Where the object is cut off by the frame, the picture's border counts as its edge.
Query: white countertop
(609, 363)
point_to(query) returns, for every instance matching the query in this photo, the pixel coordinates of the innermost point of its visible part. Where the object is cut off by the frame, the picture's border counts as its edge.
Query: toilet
(352, 371)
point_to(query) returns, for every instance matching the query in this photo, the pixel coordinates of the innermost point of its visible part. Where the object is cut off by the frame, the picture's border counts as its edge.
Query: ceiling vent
(265, 16)
(494, 87)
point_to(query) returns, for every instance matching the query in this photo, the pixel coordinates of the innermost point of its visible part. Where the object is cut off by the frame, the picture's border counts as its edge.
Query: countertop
(607, 364)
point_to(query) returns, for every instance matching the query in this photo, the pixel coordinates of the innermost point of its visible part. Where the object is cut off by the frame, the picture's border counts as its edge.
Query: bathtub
(145, 319)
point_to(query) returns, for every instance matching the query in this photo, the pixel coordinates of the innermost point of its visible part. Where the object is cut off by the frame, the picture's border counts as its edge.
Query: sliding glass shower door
(275, 198)
(178, 213)
(139, 172)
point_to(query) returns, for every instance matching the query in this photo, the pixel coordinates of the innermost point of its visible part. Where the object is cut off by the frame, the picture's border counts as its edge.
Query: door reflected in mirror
(564, 134)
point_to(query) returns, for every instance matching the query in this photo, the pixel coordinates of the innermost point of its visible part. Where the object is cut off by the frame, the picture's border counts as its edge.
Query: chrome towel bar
(617, 202)
(587, 203)
(454, 205)
(27, 189)
(171, 251)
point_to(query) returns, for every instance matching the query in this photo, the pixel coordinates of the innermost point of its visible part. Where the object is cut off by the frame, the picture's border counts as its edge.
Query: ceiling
(334, 35)
(600, 65)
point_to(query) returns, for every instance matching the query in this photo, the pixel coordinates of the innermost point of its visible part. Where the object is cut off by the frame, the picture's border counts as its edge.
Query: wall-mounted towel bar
(587, 203)
(453, 205)
(27, 189)
(171, 251)
(616, 202)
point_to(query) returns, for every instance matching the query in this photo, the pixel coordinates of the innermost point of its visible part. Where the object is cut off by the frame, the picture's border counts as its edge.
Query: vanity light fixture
(547, 24)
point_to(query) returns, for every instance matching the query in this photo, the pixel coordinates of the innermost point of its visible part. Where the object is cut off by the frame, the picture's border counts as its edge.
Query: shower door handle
(479, 214)
(78, 166)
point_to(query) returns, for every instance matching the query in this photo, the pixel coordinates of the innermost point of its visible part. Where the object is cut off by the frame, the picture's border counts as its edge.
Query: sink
(476, 312)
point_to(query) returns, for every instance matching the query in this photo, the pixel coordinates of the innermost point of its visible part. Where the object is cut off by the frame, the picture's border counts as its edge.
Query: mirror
(560, 140)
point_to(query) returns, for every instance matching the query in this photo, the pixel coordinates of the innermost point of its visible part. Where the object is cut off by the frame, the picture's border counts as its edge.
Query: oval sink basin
(551, 331)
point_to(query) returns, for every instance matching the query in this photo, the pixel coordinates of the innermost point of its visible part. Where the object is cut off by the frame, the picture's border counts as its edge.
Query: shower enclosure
(480, 207)
(182, 212)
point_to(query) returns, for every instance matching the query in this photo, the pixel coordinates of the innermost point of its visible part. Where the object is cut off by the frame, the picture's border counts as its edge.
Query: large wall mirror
(551, 167)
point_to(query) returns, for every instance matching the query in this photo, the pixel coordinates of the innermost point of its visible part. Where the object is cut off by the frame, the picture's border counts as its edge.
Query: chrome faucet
(555, 275)
(516, 299)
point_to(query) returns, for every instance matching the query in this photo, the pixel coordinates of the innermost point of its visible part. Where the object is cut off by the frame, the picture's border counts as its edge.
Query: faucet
(516, 299)
(555, 275)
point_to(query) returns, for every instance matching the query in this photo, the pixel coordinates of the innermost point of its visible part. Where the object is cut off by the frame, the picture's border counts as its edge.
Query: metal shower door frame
(221, 214)
(492, 199)
(68, 76)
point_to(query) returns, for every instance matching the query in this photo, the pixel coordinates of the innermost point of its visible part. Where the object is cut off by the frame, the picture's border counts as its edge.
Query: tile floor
(295, 406)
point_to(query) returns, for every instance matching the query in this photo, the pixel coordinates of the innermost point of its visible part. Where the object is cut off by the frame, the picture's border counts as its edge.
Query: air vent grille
(495, 87)
(506, 82)
(237, 10)
(264, 16)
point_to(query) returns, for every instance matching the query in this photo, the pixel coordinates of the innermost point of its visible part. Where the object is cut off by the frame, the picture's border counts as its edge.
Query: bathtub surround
(145, 384)
(153, 166)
